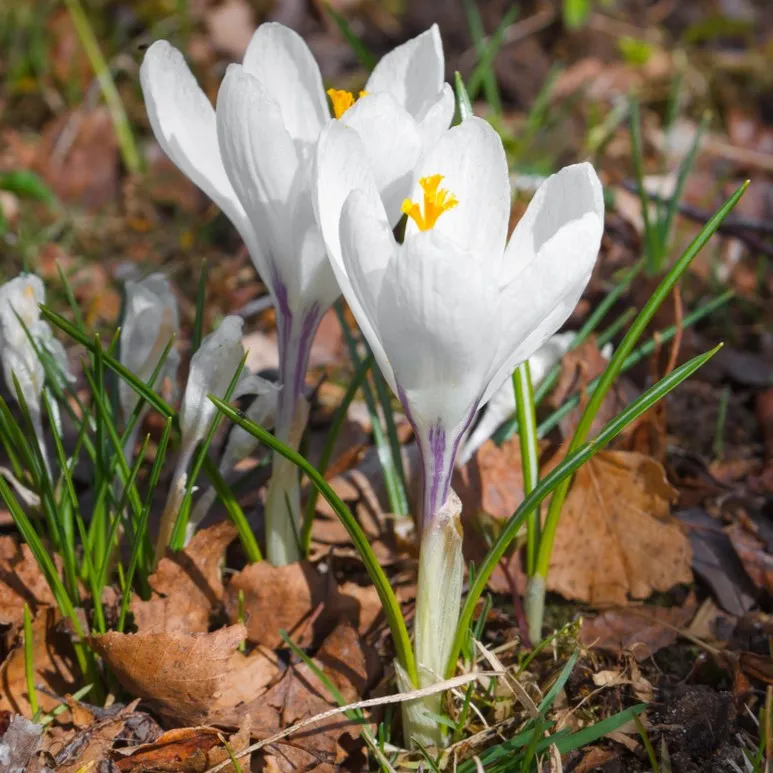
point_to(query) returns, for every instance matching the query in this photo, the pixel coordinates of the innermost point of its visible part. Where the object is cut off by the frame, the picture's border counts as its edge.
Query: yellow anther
(437, 200)
(342, 100)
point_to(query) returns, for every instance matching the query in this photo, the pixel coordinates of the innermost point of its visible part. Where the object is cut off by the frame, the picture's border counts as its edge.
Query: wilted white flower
(253, 157)
(150, 321)
(212, 370)
(19, 309)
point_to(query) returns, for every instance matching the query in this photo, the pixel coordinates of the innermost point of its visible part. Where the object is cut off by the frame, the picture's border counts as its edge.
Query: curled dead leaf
(616, 537)
(187, 586)
(188, 749)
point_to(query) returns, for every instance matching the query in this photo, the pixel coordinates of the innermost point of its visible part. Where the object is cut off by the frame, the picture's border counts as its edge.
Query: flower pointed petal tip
(282, 61)
(412, 72)
(183, 121)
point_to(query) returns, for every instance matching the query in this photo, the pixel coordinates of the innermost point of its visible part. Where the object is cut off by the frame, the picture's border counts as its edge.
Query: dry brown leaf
(300, 695)
(54, 666)
(20, 581)
(616, 537)
(492, 481)
(188, 749)
(92, 744)
(187, 586)
(189, 679)
(231, 25)
(641, 630)
(754, 556)
(297, 598)
(78, 157)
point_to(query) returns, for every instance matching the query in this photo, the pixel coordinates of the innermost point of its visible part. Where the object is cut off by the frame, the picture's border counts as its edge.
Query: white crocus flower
(253, 157)
(20, 301)
(212, 369)
(451, 311)
(150, 321)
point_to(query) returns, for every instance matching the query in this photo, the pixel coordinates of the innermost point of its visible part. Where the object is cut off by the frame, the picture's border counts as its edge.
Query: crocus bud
(150, 320)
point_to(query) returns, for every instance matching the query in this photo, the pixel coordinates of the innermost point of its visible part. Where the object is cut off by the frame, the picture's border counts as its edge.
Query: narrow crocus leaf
(386, 593)
(150, 320)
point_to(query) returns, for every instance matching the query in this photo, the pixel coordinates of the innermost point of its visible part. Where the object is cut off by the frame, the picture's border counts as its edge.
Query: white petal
(413, 72)
(280, 59)
(547, 286)
(393, 144)
(562, 198)
(472, 161)
(367, 245)
(438, 320)
(261, 161)
(212, 368)
(438, 118)
(183, 121)
(341, 165)
(150, 320)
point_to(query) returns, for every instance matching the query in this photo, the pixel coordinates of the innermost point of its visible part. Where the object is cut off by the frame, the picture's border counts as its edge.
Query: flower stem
(283, 500)
(438, 601)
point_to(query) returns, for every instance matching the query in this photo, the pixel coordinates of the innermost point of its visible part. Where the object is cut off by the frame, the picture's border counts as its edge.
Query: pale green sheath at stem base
(438, 602)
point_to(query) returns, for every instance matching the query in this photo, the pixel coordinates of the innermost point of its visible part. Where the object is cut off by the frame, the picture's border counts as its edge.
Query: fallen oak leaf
(189, 679)
(616, 537)
(21, 581)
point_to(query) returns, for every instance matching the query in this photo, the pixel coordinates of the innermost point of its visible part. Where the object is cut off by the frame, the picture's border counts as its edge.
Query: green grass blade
(483, 75)
(463, 103)
(526, 413)
(29, 662)
(134, 560)
(363, 52)
(385, 592)
(685, 168)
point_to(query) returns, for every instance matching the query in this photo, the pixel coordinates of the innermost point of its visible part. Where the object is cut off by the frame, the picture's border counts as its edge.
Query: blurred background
(84, 183)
